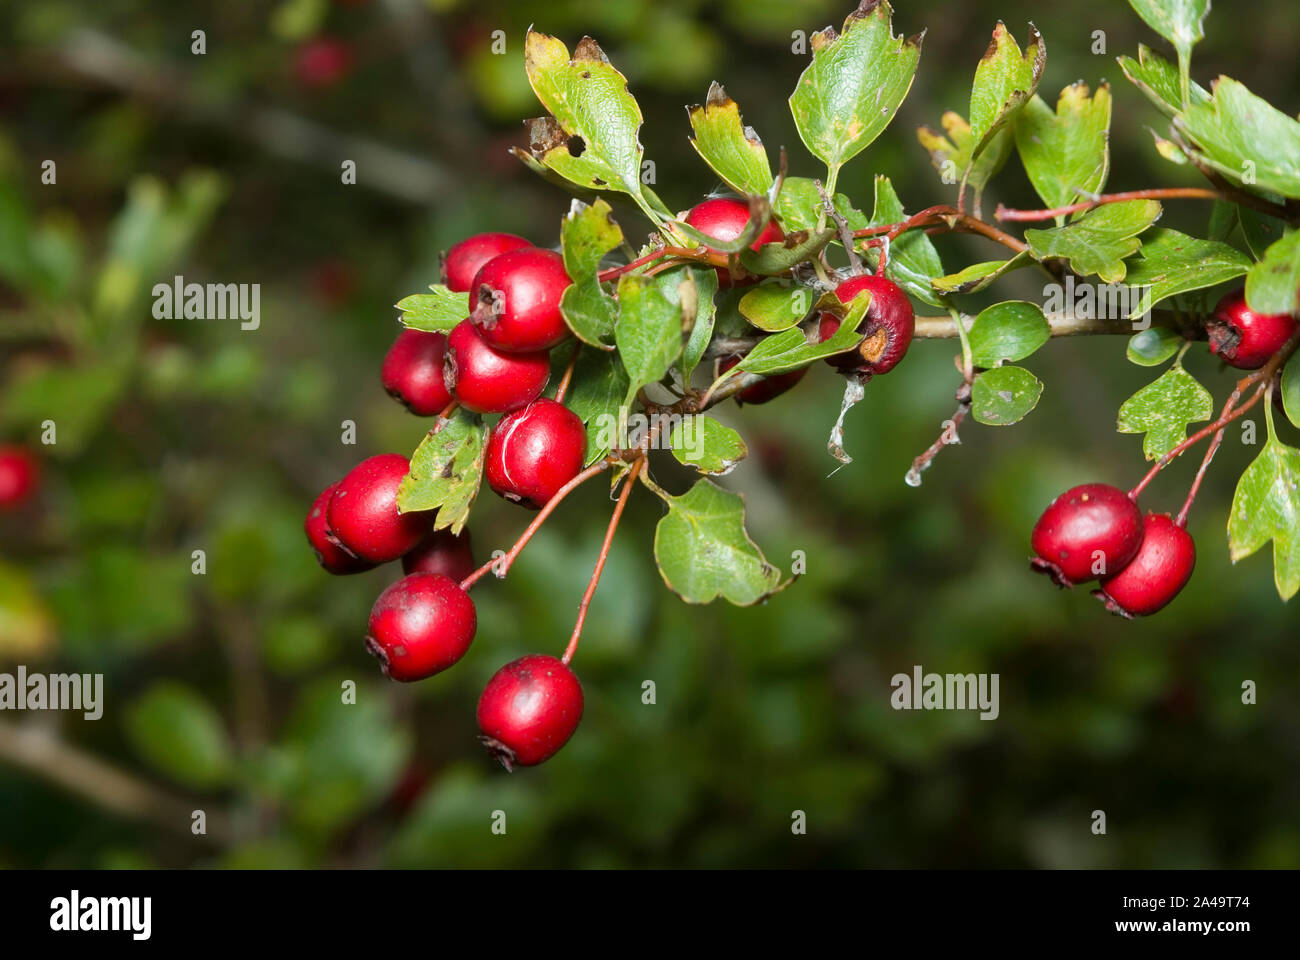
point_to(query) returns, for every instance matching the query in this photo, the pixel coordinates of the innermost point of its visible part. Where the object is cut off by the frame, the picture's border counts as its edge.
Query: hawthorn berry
(489, 381)
(465, 259)
(886, 333)
(329, 554)
(535, 451)
(420, 626)
(769, 388)
(20, 475)
(529, 710)
(442, 551)
(1162, 567)
(1244, 338)
(1087, 532)
(362, 516)
(515, 299)
(323, 62)
(725, 218)
(412, 372)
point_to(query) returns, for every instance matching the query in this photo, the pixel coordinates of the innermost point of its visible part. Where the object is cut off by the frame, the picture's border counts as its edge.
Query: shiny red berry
(1162, 567)
(529, 710)
(515, 299)
(444, 552)
(489, 381)
(464, 259)
(328, 553)
(886, 331)
(412, 372)
(535, 451)
(725, 218)
(420, 626)
(769, 388)
(20, 475)
(362, 516)
(1087, 532)
(1244, 338)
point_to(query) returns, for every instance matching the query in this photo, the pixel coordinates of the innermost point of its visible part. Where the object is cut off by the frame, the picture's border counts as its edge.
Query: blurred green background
(222, 690)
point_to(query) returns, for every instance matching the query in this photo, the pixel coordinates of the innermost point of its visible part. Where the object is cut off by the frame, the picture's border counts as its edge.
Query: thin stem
(628, 484)
(1163, 193)
(563, 388)
(501, 565)
(950, 219)
(1181, 519)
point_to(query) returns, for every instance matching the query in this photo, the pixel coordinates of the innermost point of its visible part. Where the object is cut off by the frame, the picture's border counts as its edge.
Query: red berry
(328, 553)
(20, 474)
(412, 372)
(769, 388)
(535, 451)
(1244, 338)
(516, 300)
(724, 218)
(529, 710)
(1085, 533)
(464, 259)
(887, 331)
(322, 63)
(488, 381)
(442, 552)
(362, 516)
(1160, 570)
(420, 626)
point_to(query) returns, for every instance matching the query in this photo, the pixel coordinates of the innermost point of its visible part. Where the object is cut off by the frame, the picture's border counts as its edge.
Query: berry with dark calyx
(465, 259)
(529, 710)
(444, 552)
(1246, 339)
(328, 553)
(886, 331)
(535, 451)
(1162, 567)
(20, 475)
(515, 300)
(769, 388)
(413, 372)
(1087, 532)
(489, 381)
(725, 218)
(362, 516)
(420, 626)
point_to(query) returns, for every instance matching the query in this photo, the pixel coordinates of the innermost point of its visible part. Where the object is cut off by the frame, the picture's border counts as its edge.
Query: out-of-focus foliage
(182, 435)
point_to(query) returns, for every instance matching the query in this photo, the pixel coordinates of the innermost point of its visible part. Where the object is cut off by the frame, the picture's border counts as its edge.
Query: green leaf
(648, 333)
(777, 258)
(1290, 388)
(446, 470)
(1005, 79)
(776, 306)
(799, 206)
(1004, 395)
(1266, 507)
(435, 312)
(1066, 152)
(978, 275)
(1181, 22)
(597, 390)
(591, 136)
(703, 551)
(707, 445)
(1163, 409)
(1153, 346)
(1097, 242)
(27, 630)
(790, 349)
(1158, 79)
(699, 331)
(848, 94)
(951, 155)
(586, 235)
(1007, 331)
(1170, 263)
(180, 734)
(731, 149)
(1245, 138)
(913, 261)
(1273, 284)
(1261, 230)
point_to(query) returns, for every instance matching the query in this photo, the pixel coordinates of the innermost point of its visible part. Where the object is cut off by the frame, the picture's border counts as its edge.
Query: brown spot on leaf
(589, 49)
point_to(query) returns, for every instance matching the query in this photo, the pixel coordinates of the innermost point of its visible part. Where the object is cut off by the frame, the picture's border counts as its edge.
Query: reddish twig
(563, 388)
(1181, 520)
(1163, 193)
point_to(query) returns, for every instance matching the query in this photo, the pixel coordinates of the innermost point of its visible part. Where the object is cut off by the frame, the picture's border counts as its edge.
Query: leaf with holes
(446, 471)
(1004, 395)
(1266, 507)
(1163, 409)
(1097, 242)
(731, 149)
